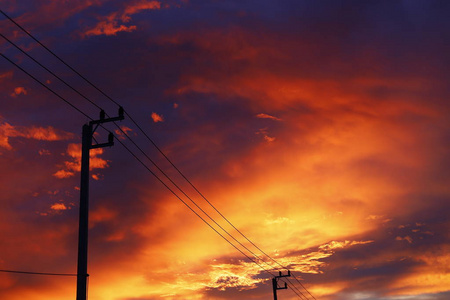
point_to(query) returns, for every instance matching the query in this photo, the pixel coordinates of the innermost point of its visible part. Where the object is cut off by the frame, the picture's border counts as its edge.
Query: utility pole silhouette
(88, 132)
(275, 286)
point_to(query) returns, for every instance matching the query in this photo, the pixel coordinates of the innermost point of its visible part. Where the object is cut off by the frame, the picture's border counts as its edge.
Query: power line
(226, 219)
(46, 48)
(154, 174)
(37, 273)
(187, 196)
(132, 119)
(49, 89)
(294, 289)
(187, 205)
(303, 286)
(45, 68)
(124, 133)
(140, 128)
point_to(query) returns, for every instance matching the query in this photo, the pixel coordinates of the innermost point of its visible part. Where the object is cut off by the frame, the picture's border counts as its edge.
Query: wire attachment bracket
(102, 120)
(275, 285)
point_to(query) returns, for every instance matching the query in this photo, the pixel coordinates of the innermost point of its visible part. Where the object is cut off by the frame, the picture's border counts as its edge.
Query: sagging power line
(37, 273)
(90, 118)
(160, 151)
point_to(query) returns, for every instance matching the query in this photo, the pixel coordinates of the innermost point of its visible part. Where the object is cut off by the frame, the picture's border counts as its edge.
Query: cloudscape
(259, 137)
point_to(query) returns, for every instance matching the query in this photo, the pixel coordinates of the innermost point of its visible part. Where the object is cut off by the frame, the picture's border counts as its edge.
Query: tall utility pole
(88, 132)
(275, 286)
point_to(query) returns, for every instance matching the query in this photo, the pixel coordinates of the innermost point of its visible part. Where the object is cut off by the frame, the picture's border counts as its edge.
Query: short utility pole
(275, 284)
(88, 132)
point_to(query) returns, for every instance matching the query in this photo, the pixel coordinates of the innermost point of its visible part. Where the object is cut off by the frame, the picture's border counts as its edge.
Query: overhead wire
(206, 222)
(45, 86)
(154, 174)
(150, 159)
(303, 286)
(48, 70)
(144, 133)
(134, 143)
(189, 207)
(42, 45)
(37, 273)
(129, 116)
(245, 247)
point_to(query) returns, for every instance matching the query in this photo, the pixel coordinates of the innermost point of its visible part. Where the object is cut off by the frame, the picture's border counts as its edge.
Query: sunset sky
(319, 129)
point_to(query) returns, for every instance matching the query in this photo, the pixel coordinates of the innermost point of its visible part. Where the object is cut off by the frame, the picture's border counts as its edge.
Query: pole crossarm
(275, 285)
(105, 120)
(101, 121)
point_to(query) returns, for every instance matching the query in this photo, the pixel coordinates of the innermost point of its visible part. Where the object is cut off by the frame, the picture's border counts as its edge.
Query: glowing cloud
(124, 131)
(38, 133)
(265, 134)
(109, 25)
(6, 75)
(406, 238)
(157, 118)
(63, 174)
(266, 116)
(59, 206)
(19, 91)
(74, 164)
(138, 7)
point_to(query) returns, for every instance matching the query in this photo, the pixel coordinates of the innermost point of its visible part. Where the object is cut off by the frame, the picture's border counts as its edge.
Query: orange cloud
(266, 116)
(6, 75)
(96, 176)
(108, 28)
(109, 25)
(124, 130)
(265, 135)
(18, 91)
(342, 154)
(138, 7)
(38, 133)
(406, 238)
(59, 206)
(63, 174)
(74, 164)
(344, 159)
(102, 214)
(56, 12)
(157, 118)
(429, 277)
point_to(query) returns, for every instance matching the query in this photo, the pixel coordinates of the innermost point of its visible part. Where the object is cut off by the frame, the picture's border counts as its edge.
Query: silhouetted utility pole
(275, 284)
(88, 132)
